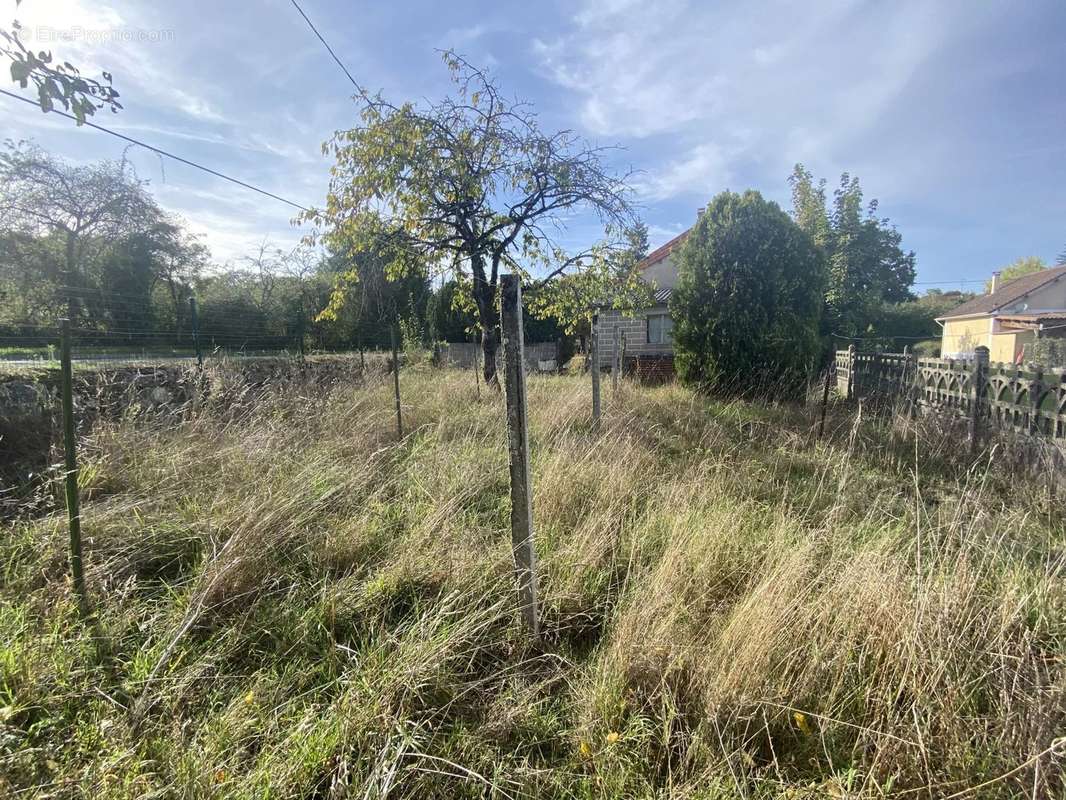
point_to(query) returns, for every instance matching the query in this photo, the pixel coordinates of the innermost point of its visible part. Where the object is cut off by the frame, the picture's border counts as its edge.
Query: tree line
(88, 242)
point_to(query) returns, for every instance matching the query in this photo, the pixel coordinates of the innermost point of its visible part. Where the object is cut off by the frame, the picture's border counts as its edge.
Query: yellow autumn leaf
(613, 737)
(249, 698)
(585, 750)
(802, 724)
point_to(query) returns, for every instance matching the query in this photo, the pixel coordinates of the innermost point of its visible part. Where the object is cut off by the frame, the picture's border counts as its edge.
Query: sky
(952, 114)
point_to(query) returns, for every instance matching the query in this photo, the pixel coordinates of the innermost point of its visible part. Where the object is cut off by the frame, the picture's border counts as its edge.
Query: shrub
(748, 299)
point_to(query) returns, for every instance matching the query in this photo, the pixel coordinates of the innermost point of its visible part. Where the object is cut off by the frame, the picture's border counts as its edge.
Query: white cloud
(703, 169)
(758, 83)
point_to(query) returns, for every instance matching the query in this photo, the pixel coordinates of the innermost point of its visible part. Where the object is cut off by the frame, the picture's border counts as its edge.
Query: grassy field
(292, 604)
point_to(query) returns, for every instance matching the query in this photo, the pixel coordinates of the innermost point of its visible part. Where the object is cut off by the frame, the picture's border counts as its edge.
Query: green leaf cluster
(749, 298)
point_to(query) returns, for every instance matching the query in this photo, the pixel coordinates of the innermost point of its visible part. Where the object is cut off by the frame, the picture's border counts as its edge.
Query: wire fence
(113, 328)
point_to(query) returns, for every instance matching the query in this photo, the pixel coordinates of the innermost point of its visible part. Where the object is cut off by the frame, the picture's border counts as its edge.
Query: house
(648, 332)
(1009, 319)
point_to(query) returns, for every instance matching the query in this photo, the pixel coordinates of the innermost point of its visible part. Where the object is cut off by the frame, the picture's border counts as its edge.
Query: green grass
(729, 610)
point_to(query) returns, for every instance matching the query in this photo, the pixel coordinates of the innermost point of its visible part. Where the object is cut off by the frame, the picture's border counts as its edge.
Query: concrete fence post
(825, 396)
(518, 448)
(851, 372)
(595, 371)
(616, 360)
(978, 383)
(1036, 390)
(477, 378)
(194, 323)
(396, 380)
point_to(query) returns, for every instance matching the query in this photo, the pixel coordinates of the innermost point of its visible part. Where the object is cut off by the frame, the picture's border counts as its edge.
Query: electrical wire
(340, 63)
(161, 152)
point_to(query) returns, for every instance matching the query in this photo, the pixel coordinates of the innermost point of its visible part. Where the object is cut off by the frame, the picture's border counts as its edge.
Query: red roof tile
(1008, 293)
(660, 253)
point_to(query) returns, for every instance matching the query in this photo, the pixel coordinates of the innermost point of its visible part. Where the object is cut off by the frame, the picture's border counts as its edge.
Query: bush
(748, 300)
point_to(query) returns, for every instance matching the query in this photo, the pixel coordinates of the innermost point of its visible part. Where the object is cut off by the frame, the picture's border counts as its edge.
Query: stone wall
(31, 414)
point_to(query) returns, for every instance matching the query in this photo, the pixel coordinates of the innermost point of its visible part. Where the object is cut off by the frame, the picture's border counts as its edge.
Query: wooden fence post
(70, 452)
(595, 371)
(518, 446)
(396, 381)
(622, 358)
(851, 372)
(977, 392)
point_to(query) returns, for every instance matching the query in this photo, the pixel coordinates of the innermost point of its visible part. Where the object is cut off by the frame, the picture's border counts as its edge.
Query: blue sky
(952, 114)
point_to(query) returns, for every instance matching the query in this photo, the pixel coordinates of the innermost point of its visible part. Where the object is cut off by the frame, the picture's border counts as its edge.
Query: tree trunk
(484, 292)
(489, 346)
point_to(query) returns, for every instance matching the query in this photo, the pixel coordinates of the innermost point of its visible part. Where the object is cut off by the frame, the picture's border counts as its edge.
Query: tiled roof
(1011, 292)
(660, 253)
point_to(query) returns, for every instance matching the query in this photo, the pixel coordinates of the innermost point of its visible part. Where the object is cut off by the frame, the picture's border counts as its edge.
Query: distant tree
(56, 82)
(162, 258)
(86, 206)
(749, 298)
(1061, 260)
(463, 188)
(370, 296)
(867, 266)
(1026, 265)
(450, 318)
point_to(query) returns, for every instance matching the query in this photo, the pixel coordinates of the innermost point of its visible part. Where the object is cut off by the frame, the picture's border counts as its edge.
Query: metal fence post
(977, 392)
(518, 447)
(396, 381)
(595, 371)
(70, 452)
(194, 319)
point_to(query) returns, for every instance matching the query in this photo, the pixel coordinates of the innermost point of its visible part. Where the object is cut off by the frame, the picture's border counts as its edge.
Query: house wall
(962, 336)
(1049, 298)
(663, 274)
(635, 329)
(1003, 347)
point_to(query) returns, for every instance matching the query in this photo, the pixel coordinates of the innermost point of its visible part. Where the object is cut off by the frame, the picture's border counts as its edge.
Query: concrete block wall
(461, 354)
(635, 328)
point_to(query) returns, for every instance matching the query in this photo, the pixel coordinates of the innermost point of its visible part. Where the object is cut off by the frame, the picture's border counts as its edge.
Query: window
(660, 329)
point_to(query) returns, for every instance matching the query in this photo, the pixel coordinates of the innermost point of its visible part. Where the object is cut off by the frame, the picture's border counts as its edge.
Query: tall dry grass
(299, 605)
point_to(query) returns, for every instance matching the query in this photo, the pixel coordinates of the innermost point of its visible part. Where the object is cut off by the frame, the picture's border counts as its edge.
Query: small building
(1009, 319)
(648, 332)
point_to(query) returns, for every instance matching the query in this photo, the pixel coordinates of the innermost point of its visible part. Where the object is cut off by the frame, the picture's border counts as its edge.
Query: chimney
(699, 211)
(995, 283)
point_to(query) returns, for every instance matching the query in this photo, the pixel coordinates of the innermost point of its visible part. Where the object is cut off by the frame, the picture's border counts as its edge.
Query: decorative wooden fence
(1028, 399)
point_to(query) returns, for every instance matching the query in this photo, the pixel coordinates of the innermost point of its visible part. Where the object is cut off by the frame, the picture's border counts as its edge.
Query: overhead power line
(948, 282)
(162, 152)
(340, 63)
